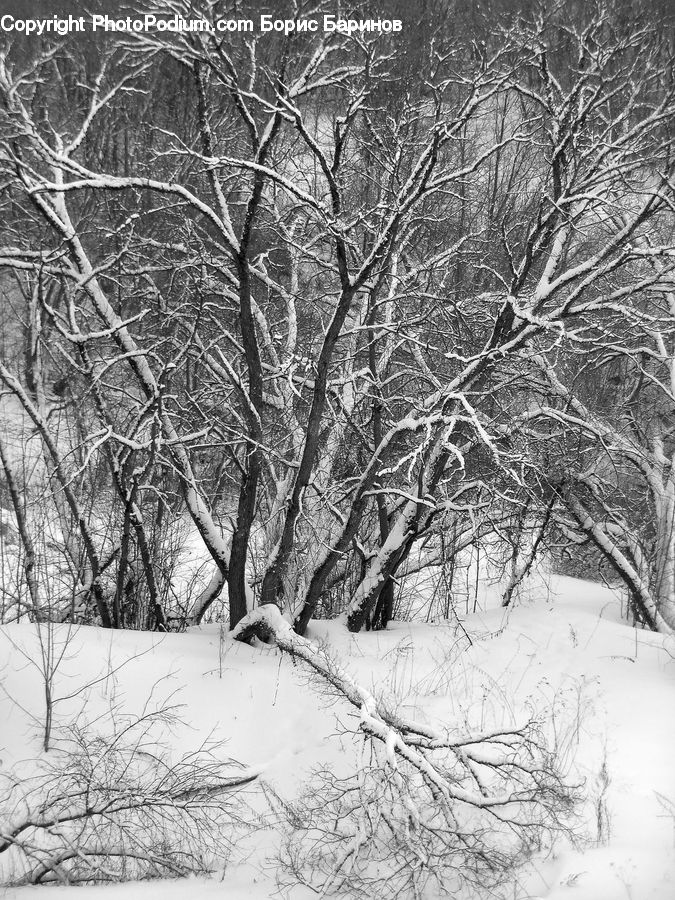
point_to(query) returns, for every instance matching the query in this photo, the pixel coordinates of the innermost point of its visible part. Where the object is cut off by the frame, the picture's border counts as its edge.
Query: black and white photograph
(337, 449)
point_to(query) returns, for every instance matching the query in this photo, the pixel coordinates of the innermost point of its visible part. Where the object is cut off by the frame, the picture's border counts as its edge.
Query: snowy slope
(610, 690)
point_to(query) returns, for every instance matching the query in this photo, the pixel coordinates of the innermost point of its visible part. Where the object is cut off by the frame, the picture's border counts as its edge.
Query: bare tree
(300, 311)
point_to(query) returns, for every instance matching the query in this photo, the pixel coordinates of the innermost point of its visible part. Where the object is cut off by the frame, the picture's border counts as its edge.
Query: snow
(563, 651)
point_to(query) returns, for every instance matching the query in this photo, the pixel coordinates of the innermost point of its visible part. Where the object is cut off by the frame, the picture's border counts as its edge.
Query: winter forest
(337, 443)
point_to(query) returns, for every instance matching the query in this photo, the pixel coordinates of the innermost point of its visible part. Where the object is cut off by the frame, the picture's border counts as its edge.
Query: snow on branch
(449, 796)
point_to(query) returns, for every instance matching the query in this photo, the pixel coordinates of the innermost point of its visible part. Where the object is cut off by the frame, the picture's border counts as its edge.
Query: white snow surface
(610, 688)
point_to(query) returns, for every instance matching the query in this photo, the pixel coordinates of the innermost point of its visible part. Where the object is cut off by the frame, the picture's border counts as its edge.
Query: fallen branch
(470, 803)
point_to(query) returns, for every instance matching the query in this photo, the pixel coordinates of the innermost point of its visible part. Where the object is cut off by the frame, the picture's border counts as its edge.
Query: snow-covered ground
(608, 689)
